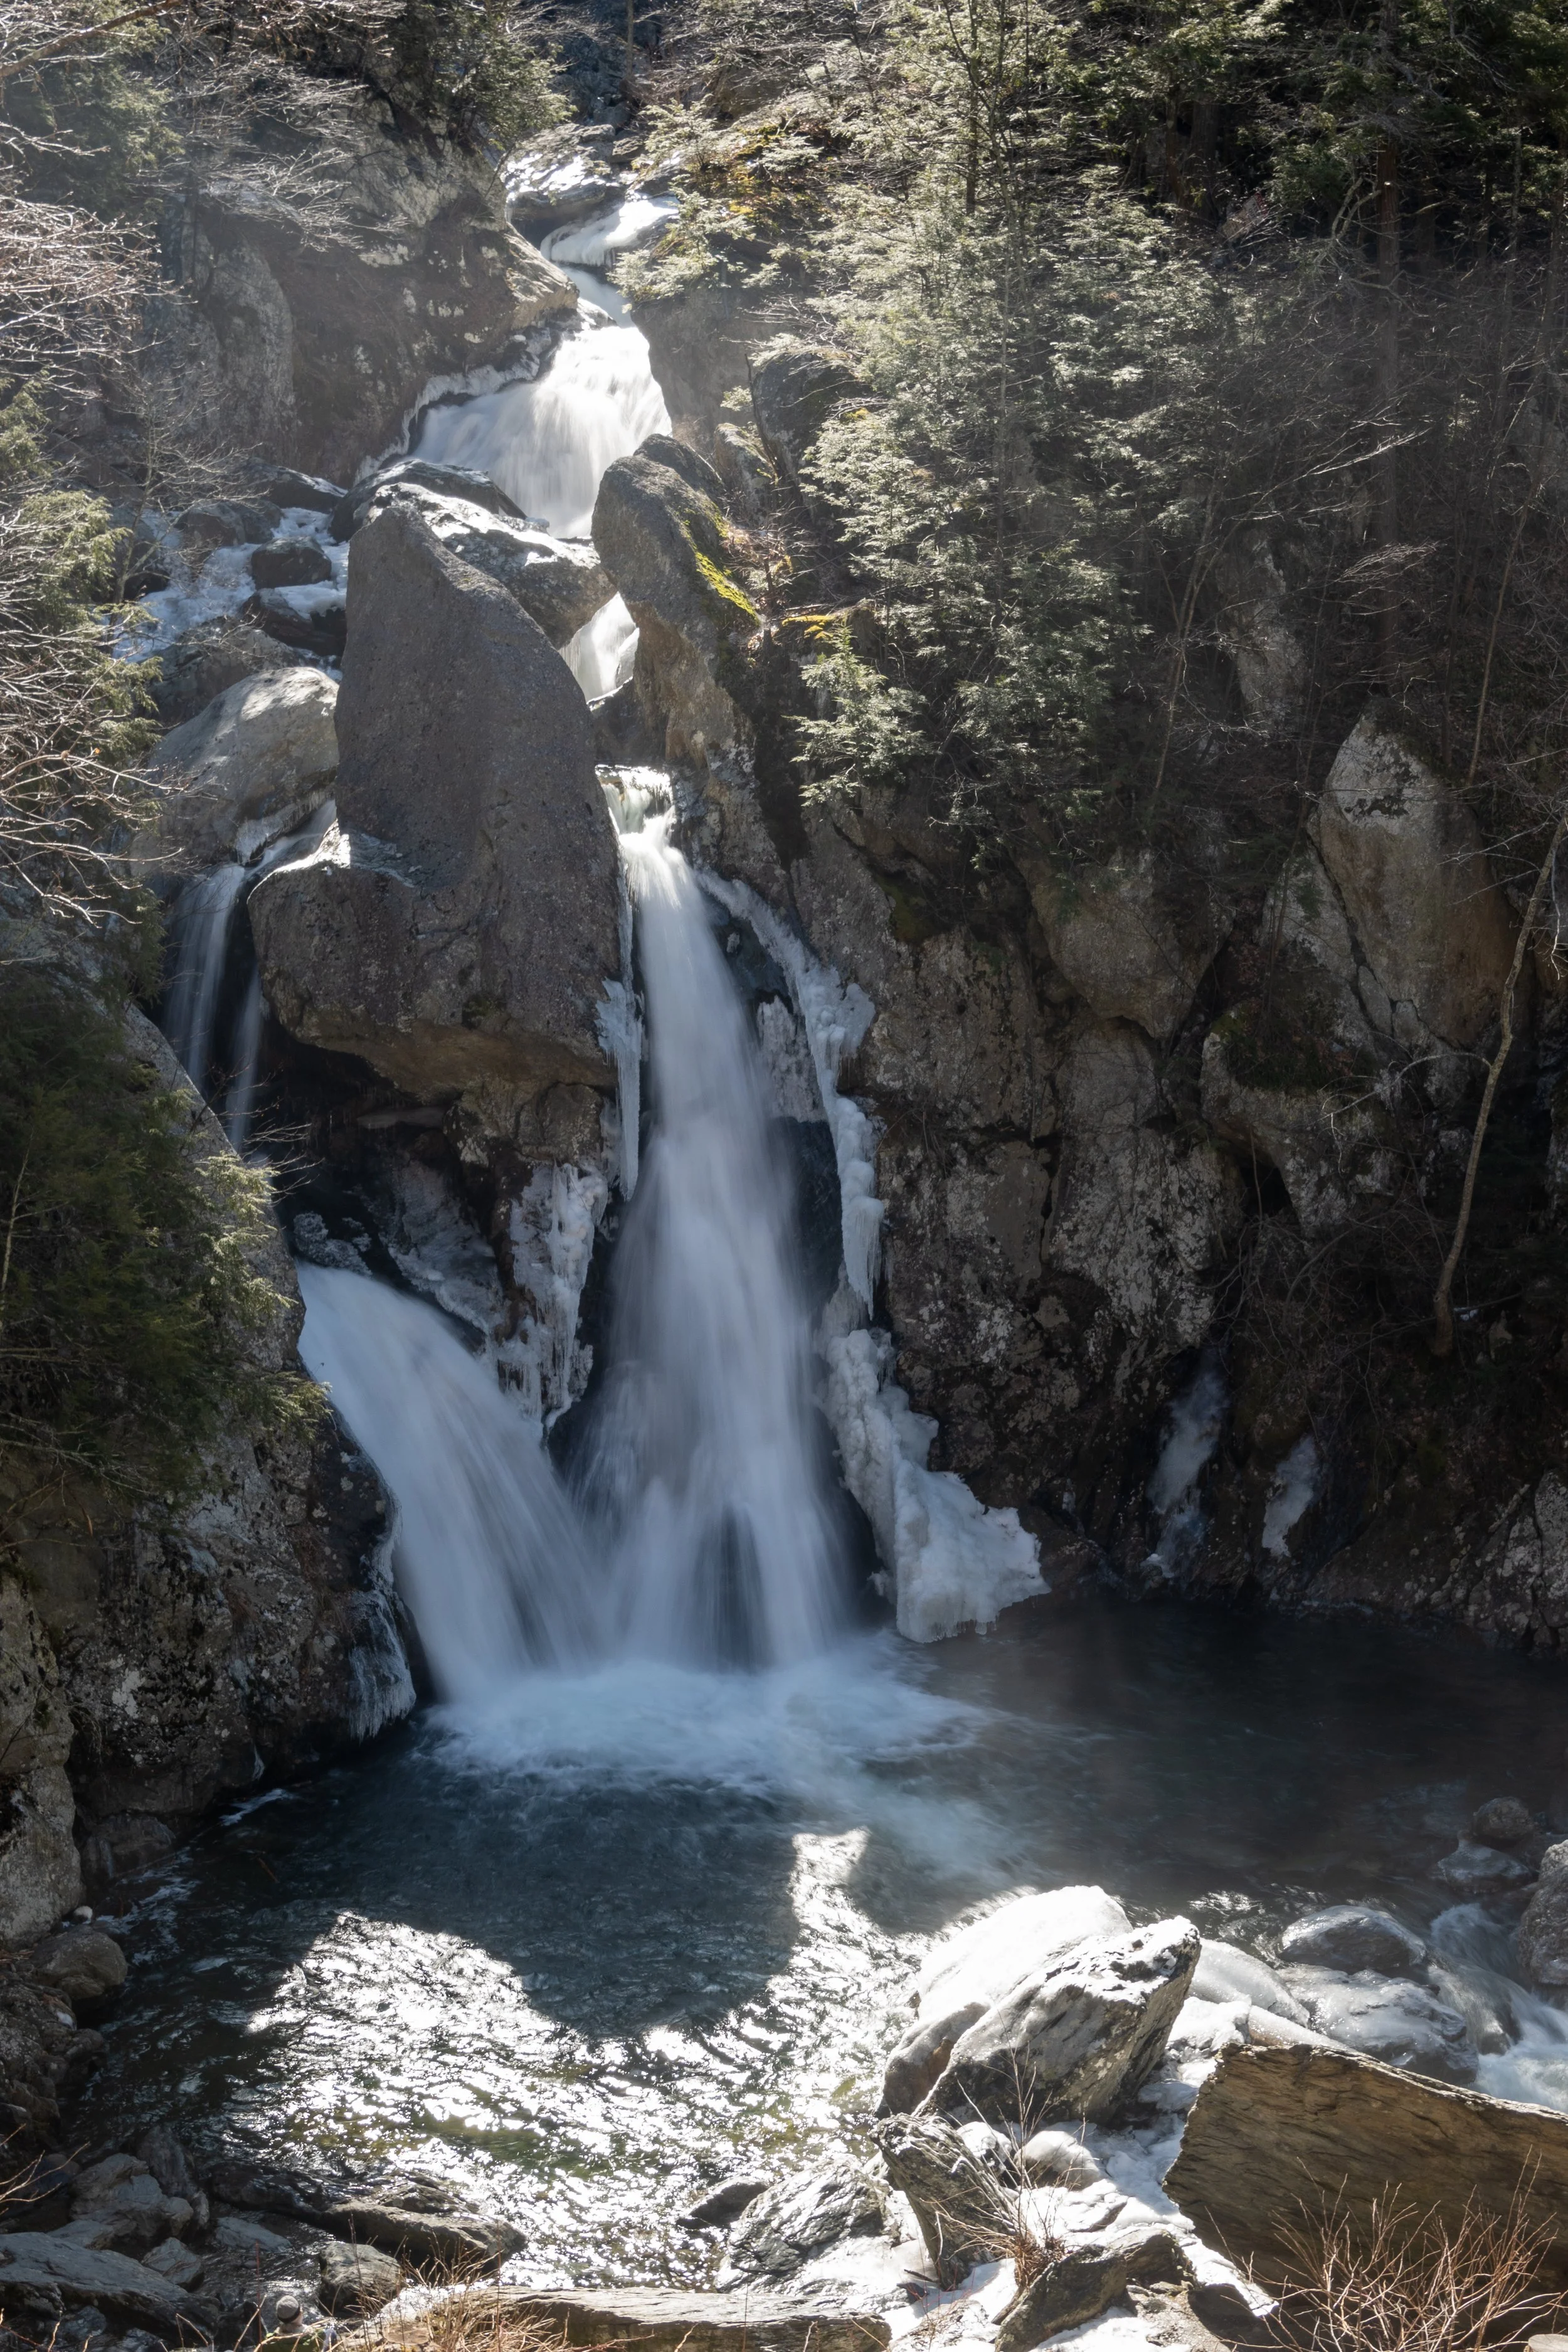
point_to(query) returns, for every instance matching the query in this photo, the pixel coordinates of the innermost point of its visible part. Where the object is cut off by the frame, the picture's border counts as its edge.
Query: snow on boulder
(970, 1971)
(1076, 2039)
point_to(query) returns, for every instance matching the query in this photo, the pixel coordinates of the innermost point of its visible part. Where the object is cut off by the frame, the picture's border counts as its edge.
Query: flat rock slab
(741, 2321)
(1277, 2134)
(43, 2269)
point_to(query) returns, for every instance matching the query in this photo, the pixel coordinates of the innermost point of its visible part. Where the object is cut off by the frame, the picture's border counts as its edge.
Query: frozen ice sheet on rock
(955, 1563)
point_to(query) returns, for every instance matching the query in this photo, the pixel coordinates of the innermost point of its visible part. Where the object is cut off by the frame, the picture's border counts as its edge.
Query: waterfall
(701, 1471)
(546, 443)
(702, 1530)
(488, 1553)
(202, 930)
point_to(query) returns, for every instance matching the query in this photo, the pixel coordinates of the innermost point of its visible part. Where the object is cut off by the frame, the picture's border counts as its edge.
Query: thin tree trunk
(1388, 402)
(1442, 1304)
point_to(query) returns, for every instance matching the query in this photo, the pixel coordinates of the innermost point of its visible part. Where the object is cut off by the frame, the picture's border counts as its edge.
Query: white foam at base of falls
(547, 443)
(602, 654)
(1292, 1495)
(488, 1552)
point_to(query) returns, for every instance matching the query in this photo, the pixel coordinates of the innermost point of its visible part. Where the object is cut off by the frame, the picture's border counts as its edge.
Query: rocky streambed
(609, 1989)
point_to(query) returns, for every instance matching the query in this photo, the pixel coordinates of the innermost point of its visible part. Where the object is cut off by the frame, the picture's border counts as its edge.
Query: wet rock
(724, 2204)
(291, 563)
(1224, 1972)
(559, 583)
(38, 2195)
(1397, 2022)
(659, 528)
(421, 2227)
(174, 2260)
(1331, 1145)
(461, 924)
(357, 2280)
(1132, 949)
(43, 2054)
(1470, 1869)
(247, 770)
(959, 2195)
(1354, 1935)
(1085, 2281)
(1075, 2040)
(1543, 1929)
(209, 658)
(785, 2227)
(969, 1972)
(1268, 2120)
(120, 2201)
(1502, 1822)
(171, 2167)
(796, 387)
(43, 2274)
(122, 1844)
(314, 628)
(81, 1963)
(228, 522)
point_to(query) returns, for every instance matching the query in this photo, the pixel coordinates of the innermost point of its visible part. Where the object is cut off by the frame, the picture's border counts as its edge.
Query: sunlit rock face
(460, 924)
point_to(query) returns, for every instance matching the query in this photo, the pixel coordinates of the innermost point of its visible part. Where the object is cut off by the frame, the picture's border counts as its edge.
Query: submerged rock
(1355, 1936)
(1224, 1972)
(722, 2205)
(461, 922)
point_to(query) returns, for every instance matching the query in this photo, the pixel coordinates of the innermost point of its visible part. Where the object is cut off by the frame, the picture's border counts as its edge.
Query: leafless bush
(1402, 2279)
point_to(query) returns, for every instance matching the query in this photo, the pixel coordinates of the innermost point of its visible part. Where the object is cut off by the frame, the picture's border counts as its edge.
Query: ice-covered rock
(1224, 1972)
(1351, 1936)
(1058, 2159)
(1472, 1867)
(1087, 2280)
(1386, 2018)
(1075, 2040)
(985, 1959)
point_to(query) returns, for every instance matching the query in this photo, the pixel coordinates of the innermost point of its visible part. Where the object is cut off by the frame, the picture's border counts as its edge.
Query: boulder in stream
(1355, 1936)
(1077, 2039)
(560, 583)
(1270, 2124)
(787, 2225)
(462, 921)
(1543, 1929)
(1385, 2018)
(249, 768)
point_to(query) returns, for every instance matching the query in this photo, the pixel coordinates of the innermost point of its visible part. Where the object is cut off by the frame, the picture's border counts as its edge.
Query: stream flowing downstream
(636, 1904)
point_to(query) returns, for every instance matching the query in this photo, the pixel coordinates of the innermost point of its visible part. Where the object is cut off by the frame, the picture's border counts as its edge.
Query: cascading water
(701, 1470)
(701, 1532)
(546, 443)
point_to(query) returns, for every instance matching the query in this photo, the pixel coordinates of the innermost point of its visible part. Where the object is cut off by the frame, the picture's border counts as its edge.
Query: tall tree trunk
(1387, 484)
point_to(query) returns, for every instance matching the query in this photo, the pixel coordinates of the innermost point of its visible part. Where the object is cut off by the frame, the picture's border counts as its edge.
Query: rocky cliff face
(1131, 1122)
(158, 1659)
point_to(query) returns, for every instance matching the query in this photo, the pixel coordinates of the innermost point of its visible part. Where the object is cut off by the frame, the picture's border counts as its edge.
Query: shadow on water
(587, 1954)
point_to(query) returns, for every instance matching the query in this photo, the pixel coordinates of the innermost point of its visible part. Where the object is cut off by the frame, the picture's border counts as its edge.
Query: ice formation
(1292, 1494)
(1174, 1490)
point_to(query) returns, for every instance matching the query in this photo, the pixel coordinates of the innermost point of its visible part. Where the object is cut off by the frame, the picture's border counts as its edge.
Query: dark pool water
(625, 1933)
